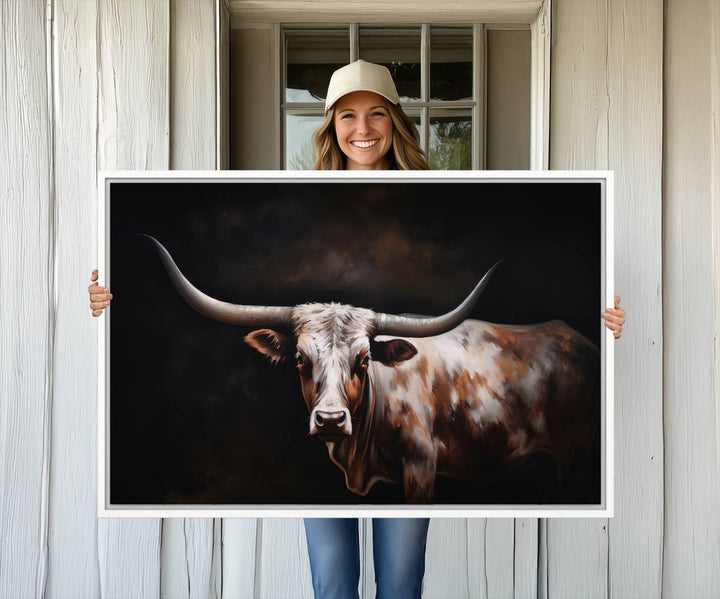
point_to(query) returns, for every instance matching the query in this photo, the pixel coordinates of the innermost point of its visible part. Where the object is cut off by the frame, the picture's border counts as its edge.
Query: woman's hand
(99, 296)
(615, 318)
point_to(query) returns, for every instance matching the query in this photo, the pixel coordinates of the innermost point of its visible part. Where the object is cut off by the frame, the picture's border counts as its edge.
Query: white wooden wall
(691, 281)
(635, 87)
(606, 113)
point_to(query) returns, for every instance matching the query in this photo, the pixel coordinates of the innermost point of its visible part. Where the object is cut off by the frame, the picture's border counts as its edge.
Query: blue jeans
(398, 551)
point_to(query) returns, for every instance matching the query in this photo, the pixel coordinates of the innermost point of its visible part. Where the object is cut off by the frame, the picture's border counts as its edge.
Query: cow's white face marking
(333, 352)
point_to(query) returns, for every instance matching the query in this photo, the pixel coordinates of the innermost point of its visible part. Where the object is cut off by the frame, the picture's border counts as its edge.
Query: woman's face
(364, 130)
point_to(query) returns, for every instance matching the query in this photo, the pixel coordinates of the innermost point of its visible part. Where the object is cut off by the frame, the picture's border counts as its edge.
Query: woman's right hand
(99, 296)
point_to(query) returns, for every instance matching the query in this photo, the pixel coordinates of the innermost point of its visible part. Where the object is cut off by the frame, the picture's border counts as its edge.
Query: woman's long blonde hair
(405, 154)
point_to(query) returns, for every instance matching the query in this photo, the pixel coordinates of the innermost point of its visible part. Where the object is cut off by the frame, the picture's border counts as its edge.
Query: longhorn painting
(334, 343)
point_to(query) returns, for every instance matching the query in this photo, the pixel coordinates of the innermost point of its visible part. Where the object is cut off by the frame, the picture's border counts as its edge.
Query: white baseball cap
(361, 76)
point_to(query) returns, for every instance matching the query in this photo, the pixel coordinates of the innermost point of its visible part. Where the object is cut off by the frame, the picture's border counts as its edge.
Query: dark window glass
(398, 50)
(311, 57)
(451, 57)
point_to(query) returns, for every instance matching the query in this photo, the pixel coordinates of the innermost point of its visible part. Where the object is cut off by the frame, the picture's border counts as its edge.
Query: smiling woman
(365, 128)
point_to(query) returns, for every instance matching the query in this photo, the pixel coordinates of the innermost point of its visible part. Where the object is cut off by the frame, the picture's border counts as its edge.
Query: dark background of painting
(197, 417)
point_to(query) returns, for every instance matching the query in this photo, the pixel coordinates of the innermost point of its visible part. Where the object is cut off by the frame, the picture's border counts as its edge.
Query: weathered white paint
(525, 572)
(282, 566)
(577, 554)
(187, 558)
(72, 551)
(399, 11)
(634, 76)
(577, 559)
(239, 554)
(192, 85)
(133, 126)
(607, 113)
(27, 308)
(490, 557)
(692, 400)
(446, 564)
(133, 130)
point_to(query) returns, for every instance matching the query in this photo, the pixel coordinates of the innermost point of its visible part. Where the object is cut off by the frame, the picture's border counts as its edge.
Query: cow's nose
(330, 421)
(330, 424)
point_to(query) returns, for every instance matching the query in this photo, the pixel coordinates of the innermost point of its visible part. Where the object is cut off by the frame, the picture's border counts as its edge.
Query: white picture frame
(603, 509)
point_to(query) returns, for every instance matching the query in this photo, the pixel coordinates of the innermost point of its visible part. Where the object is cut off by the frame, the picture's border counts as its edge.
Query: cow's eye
(365, 361)
(299, 358)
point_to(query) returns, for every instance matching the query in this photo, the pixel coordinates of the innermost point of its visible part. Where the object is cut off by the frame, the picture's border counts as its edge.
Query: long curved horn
(405, 326)
(250, 316)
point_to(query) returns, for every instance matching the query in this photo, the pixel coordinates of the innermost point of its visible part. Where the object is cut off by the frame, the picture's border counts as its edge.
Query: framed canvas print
(356, 344)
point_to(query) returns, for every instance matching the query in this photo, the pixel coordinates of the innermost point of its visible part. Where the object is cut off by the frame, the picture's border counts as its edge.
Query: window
(467, 86)
(434, 68)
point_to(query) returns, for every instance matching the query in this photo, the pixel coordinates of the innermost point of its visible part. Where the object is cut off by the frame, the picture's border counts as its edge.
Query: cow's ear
(270, 343)
(393, 351)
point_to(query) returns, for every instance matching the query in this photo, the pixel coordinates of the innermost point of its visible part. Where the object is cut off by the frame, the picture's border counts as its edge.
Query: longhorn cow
(404, 399)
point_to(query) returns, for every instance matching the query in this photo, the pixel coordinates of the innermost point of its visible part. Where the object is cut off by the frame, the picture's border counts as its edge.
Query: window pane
(451, 54)
(398, 50)
(450, 139)
(311, 58)
(299, 150)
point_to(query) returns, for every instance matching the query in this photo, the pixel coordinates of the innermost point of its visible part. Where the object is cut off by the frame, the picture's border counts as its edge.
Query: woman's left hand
(615, 318)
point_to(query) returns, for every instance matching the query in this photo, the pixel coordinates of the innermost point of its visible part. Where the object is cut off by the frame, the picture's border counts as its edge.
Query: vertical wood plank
(577, 551)
(691, 401)
(187, 558)
(446, 559)
(133, 125)
(476, 564)
(129, 558)
(284, 565)
(26, 306)
(500, 556)
(73, 563)
(187, 544)
(525, 575)
(192, 85)
(491, 547)
(133, 85)
(239, 554)
(582, 572)
(635, 49)
(579, 95)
